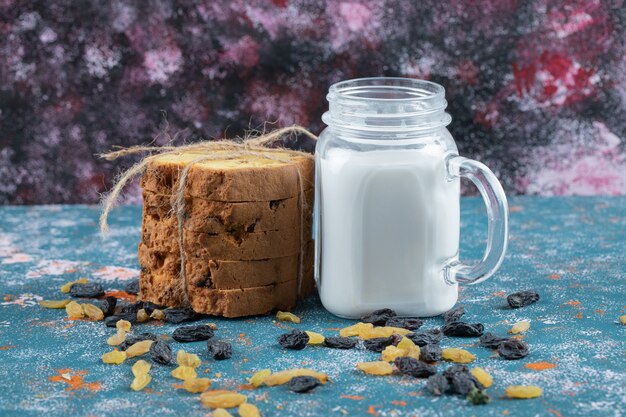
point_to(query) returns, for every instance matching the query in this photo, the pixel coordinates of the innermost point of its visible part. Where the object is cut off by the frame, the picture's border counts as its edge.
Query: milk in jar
(387, 196)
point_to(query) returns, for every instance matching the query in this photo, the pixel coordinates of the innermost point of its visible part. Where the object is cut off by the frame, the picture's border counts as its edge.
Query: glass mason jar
(387, 217)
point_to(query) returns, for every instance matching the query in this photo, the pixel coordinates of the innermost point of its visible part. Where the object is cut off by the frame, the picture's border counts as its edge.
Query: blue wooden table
(571, 250)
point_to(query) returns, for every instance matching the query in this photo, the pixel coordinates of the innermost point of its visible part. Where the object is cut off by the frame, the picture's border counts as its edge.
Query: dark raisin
(513, 349)
(150, 307)
(491, 341)
(132, 339)
(132, 287)
(462, 329)
(409, 323)
(108, 306)
(340, 342)
(186, 334)
(378, 344)
(378, 317)
(220, 350)
(462, 383)
(112, 320)
(522, 298)
(478, 397)
(295, 340)
(87, 290)
(161, 352)
(412, 367)
(132, 307)
(303, 383)
(430, 353)
(179, 315)
(437, 384)
(454, 314)
(428, 337)
(455, 369)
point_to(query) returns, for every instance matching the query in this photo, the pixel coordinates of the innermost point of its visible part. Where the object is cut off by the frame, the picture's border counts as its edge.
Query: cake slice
(241, 178)
(206, 216)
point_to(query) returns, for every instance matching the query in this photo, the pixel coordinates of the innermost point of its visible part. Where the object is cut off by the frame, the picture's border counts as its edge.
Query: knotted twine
(251, 146)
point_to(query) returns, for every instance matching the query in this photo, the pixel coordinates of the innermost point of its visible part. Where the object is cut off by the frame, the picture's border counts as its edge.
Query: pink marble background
(537, 89)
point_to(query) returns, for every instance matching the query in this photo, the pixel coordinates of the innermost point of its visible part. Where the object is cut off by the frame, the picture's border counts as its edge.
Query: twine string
(257, 146)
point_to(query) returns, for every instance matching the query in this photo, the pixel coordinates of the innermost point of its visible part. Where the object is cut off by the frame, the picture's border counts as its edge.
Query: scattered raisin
(86, 290)
(140, 382)
(409, 323)
(65, 288)
(378, 344)
(462, 329)
(188, 359)
(123, 326)
(220, 350)
(315, 338)
(375, 367)
(139, 348)
(383, 331)
(54, 303)
(437, 384)
(478, 397)
(282, 377)
(259, 377)
(131, 340)
(482, 376)
(356, 329)
(248, 410)
(340, 342)
(93, 312)
(414, 368)
(142, 316)
(378, 317)
(132, 287)
(295, 340)
(491, 341)
(184, 372)
(391, 352)
(286, 316)
(522, 298)
(157, 314)
(74, 310)
(187, 334)
(179, 315)
(513, 349)
(108, 306)
(457, 355)
(462, 383)
(112, 320)
(430, 353)
(519, 327)
(222, 399)
(161, 352)
(131, 307)
(115, 357)
(303, 383)
(428, 337)
(197, 385)
(454, 369)
(141, 367)
(150, 307)
(454, 314)
(523, 391)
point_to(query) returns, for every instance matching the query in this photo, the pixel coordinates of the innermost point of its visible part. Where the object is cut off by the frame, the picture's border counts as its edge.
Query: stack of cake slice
(246, 233)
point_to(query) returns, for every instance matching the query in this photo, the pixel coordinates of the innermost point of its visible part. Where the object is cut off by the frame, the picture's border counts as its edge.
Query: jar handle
(456, 271)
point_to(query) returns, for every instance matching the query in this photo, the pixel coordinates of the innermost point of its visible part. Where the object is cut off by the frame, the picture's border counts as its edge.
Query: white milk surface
(389, 221)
